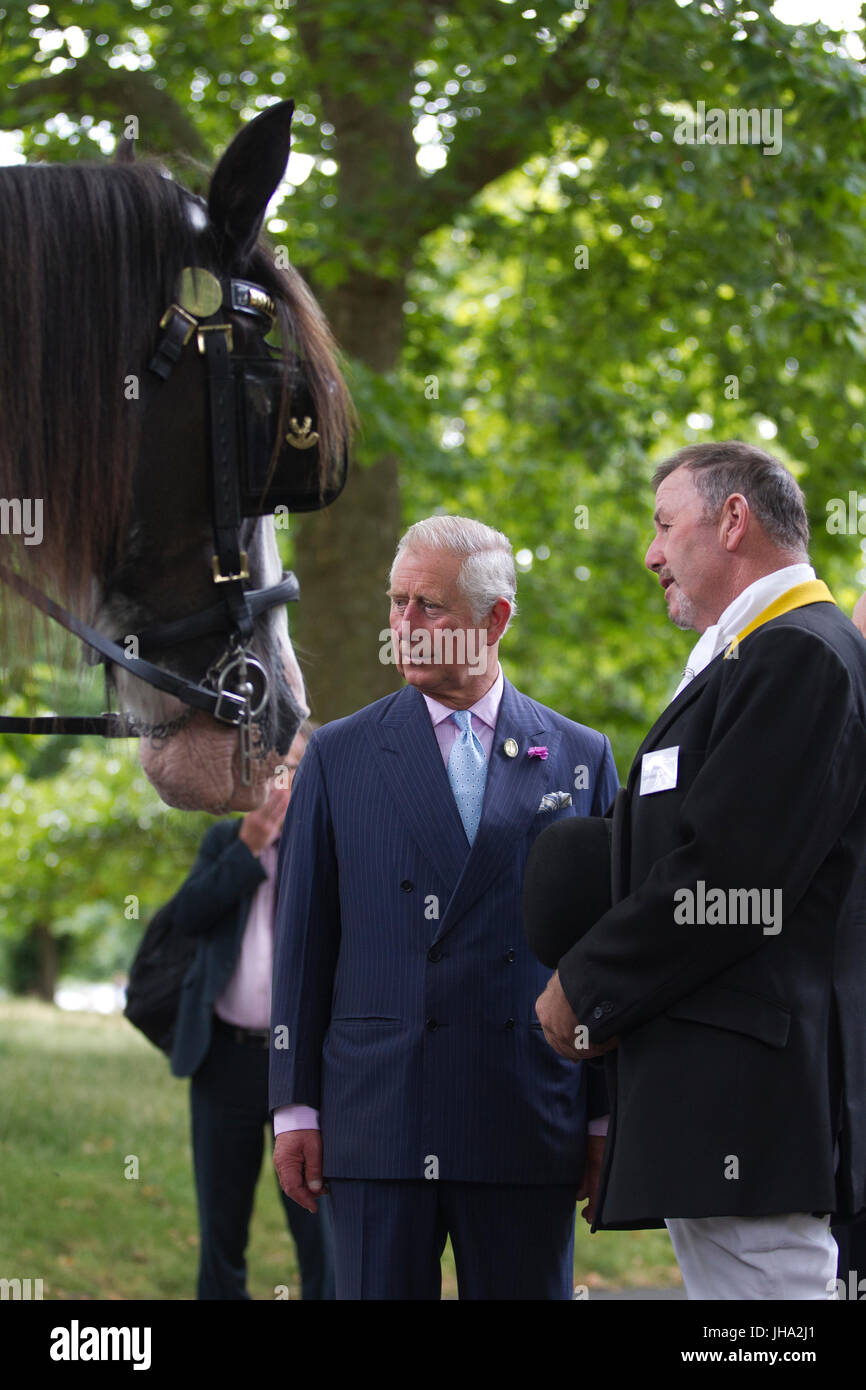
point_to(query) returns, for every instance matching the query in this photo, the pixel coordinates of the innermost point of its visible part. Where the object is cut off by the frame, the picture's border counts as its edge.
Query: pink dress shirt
(246, 999)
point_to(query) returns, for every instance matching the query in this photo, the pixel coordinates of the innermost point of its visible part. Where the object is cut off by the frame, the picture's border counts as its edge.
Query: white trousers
(762, 1257)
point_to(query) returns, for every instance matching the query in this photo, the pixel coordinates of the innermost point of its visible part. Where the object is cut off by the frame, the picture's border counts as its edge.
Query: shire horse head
(142, 406)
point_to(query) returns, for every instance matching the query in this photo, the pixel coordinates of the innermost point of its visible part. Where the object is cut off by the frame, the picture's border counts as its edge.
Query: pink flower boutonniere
(540, 752)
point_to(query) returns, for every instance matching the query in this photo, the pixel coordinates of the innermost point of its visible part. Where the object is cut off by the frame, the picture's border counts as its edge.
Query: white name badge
(658, 770)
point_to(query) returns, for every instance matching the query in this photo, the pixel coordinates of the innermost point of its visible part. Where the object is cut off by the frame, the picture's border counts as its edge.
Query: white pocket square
(554, 801)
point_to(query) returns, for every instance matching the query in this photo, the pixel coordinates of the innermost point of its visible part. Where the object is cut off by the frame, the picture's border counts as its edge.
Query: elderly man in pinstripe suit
(408, 1070)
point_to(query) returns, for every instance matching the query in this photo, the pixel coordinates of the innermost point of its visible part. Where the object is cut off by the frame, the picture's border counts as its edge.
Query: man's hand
(260, 828)
(298, 1161)
(561, 1028)
(591, 1173)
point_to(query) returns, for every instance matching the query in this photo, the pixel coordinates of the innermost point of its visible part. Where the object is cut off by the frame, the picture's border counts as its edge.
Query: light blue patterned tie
(467, 773)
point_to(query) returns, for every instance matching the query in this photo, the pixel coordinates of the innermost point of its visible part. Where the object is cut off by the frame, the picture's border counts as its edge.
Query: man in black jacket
(727, 981)
(221, 1042)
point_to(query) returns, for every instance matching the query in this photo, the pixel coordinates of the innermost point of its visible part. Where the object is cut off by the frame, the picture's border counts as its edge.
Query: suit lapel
(672, 712)
(409, 756)
(512, 794)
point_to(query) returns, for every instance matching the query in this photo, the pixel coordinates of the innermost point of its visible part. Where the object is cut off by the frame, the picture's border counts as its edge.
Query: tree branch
(489, 145)
(92, 88)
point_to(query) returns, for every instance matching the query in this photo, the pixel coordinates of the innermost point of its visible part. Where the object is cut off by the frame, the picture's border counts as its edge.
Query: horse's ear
(246, 177)
(124, 150)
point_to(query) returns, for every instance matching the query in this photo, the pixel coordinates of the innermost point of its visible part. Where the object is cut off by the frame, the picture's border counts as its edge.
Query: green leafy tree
(86, 855)
(541, 130)
(540, 284)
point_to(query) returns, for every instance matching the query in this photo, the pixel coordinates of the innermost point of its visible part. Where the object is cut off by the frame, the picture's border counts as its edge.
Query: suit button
(431, 1025)
(434, 954)
(407, 885)
(509, 1023)
(509, 956)
(604, 1008)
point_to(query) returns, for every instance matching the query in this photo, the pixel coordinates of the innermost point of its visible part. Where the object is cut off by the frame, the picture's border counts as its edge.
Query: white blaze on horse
(141, 404)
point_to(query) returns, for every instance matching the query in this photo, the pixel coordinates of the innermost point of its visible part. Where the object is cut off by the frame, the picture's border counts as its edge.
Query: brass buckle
(219, 578)
(214, 328)
(189, 320)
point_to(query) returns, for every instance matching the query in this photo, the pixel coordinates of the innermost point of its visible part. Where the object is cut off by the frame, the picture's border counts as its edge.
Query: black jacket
(213, 903)
(742, 1054)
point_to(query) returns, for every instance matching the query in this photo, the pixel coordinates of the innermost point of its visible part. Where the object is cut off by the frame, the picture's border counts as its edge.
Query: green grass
(81, 1094)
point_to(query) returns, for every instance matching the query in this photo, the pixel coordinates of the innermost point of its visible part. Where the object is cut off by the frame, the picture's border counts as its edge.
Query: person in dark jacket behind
(221, 1042)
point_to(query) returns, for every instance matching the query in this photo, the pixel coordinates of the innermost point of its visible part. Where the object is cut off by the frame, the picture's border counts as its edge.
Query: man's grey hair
(487, 572)
(769, 488)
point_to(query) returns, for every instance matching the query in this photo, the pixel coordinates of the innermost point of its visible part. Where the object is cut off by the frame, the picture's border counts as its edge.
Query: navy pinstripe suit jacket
(400, 968)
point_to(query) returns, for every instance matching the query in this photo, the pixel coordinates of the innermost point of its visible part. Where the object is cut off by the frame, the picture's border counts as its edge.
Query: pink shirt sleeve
(290, 1117)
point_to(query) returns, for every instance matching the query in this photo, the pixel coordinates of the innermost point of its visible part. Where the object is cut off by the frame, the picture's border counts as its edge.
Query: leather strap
(213, 619)
(222, 705)
(225, 495)
(178, 325)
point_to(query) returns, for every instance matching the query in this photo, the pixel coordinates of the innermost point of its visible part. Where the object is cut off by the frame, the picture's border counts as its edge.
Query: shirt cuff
(597, 1126)
(290, 1117)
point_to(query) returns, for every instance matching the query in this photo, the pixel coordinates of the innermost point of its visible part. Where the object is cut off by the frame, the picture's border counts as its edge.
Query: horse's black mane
(89, 258)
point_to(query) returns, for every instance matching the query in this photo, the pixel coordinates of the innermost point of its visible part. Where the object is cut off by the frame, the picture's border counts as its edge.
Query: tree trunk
(344, 553)
(46, 963)
(34, 964)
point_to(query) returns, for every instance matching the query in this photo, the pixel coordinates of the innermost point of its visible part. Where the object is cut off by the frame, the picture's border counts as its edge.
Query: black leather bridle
(235, 689)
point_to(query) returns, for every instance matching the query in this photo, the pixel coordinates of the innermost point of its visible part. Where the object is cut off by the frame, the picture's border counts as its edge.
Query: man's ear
(246, 178)
(497, 619)
(734, 520)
